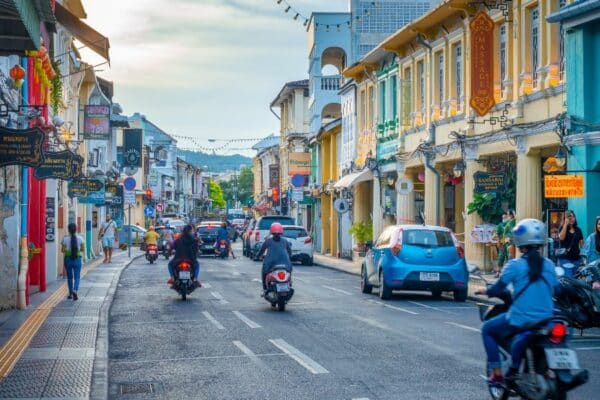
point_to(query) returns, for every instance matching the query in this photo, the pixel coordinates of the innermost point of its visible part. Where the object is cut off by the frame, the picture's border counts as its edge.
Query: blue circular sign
(148, 211)
(129, 183)
(298, 180)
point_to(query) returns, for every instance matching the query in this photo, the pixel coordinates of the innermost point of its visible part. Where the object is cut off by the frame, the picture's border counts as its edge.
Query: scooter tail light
(281, 275)
(184, 266)
(558, 333)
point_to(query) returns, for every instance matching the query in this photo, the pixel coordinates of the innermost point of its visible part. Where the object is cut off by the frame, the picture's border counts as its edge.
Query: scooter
(549, 368)
(151, 253)
(166, 249)
(222, 250)
(279, 287)
(184, 278)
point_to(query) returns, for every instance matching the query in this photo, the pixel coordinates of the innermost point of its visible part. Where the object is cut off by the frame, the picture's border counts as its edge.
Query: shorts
(108, 242)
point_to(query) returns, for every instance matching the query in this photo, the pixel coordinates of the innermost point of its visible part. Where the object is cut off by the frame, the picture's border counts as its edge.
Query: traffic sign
(148, 211)
(131, 170)
(129, 196)
(160, 207)
(298, 180)
(129, 183)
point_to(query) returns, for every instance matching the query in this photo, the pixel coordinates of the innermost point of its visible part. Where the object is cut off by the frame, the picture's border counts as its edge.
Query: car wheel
(307, 261)
(384, 292)
(365, 287)
(461, 295)
(436, 293)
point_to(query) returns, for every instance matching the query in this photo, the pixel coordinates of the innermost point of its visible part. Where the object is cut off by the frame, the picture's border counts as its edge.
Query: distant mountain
(215, 162)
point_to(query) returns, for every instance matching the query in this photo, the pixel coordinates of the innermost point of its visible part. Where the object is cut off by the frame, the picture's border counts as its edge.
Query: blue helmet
(529, 232)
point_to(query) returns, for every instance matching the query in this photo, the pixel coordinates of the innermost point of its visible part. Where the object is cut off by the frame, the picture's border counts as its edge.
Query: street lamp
(458, 169)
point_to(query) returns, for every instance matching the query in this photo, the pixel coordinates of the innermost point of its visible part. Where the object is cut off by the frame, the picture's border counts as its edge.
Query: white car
(302, 244)
(261, 231)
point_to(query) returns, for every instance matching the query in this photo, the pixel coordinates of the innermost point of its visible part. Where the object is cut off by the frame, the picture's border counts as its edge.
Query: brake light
(558, 333)
(460, 251)
(184, 266)
(396, 249)
(308, 240)
(223, 242)
(281, 275)
(256, 236)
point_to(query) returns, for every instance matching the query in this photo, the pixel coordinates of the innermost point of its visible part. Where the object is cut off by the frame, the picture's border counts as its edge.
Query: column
(432, 191)
(474, 252)
(529, 182)
(377, 209)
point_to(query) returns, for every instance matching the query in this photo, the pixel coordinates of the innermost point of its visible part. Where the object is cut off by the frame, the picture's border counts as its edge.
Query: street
(332, 342)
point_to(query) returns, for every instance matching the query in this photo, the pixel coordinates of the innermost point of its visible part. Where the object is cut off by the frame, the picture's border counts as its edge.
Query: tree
(240, 187)
(216, 194)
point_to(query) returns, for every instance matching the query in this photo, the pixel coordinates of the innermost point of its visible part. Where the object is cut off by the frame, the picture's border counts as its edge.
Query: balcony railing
(331, 82)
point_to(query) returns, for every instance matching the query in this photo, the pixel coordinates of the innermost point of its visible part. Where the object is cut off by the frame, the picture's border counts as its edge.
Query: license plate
(185, 275)
(151, 252)
(429, 276)
(283, 287)
(562, 359)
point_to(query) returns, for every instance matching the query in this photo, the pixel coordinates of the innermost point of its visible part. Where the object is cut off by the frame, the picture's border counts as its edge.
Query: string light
(305, 20)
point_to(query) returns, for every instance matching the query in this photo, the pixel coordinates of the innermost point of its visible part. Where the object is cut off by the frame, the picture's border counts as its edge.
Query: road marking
(301, 358)
(206, 285)
(360, 398)
(212, 320)
(299, 279)
(219, 297)
(235, 273)
(246, 320)
(431, 307)
(394, 307)
(248, 352)
(469, 328)
(256, 280)
(587, 348)
(372, 322)
(337, 290)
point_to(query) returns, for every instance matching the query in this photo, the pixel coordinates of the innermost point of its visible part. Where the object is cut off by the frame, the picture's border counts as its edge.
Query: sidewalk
(58, 348)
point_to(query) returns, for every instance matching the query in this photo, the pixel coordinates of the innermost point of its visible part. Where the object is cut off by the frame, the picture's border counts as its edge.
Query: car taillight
(460, 251)
(396, 249)
(184, 266)
(558, 333)
(308, 240)
(256, 236)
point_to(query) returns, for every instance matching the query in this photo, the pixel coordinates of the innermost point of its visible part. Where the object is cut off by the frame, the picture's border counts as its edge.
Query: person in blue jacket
(534, 282)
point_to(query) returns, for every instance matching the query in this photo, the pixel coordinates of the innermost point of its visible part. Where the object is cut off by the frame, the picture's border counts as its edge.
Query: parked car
(261, 230)
(136, 232)
(302, 244)
(246, 237)
(207, 236)
(416, 257)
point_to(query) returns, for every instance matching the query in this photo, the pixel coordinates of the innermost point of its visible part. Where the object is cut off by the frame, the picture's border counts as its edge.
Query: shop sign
(273, 175)
(561, 186)
(116, 194)
(299, 164)
(50, 219)
(132, 147)
(56, 165)
(489, 182)
(87, 191)
(77, 167)
(96, 122)
(387, 149)
(404, 186)
(365, 148)
(21, 147)
(482, 63)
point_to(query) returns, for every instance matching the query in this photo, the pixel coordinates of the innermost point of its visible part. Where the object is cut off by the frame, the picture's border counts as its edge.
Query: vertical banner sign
(50, 219)
(273, 175)
(96, 122)
(132, 147)
(482, 63)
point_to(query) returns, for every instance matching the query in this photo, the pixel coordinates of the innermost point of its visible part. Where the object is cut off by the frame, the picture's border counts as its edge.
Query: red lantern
(17, 73)
(42, 52)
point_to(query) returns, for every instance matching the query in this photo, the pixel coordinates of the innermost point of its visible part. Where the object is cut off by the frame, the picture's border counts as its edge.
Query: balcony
(333, 82)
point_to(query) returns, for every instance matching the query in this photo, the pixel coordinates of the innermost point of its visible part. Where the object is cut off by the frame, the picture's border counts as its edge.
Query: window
(382, 102)
(421, 72)
(535, 44)
(407, 97)
(561, 40)
(371, 107)
(294, 233)
(394, 95)
(440, 79)
(458, 78)
(502, 55)
(427, 238)
(363, 109)
(385, 238)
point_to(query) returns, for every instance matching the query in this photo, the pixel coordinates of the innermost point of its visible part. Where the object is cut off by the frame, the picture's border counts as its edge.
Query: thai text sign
(96, 122)
(488, 182)
(482, 63)
(299, 164)
(21, 147)
(56, 165)
(90, 191)
(558, 186)
(387, 149)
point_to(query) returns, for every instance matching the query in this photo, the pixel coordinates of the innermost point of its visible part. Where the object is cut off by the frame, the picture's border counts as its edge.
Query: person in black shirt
(570, 241)
(186, 248)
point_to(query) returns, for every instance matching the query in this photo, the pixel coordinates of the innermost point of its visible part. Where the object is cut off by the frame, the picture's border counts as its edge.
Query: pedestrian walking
(511, 222)
(570, 240)
(108, 235)
(591, 248)
(73, 248)
(500, 247)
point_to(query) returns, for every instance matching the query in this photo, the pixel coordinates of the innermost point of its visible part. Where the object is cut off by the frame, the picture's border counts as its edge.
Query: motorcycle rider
(223, 234)
(186, 248)
(151, 237)
(534, 281)
(278, 249)
(168, 236)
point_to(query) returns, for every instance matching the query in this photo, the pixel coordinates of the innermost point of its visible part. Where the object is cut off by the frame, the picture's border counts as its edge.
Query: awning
(352, 179)
(83, 32)
(20, 24)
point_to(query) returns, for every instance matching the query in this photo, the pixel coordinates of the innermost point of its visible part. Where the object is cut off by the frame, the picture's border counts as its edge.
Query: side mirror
(560, 271)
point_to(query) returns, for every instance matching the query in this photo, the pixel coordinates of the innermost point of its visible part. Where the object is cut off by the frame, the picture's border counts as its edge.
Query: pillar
(474, 252)
(405, 204)
(432, 191)
(377, 209)
(529, 182)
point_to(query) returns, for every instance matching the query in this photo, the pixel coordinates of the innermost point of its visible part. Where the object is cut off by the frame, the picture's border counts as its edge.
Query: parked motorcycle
(579, 302)
(279, 287)
(222, 250)
(549, 370)
(184, 278)
(151, 253)
(166, 249)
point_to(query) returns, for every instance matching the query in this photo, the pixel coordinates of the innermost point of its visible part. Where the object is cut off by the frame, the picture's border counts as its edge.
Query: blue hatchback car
(416, 257)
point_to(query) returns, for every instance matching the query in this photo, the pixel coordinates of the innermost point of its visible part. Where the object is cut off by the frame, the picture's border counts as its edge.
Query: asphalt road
(332, 342)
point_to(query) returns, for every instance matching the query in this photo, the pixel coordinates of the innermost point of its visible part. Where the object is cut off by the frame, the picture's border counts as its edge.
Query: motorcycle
(151, 253)
(279, 287)
(166, 249)
(222, 249)
(184, 283)
(579, 301)
(549, 368)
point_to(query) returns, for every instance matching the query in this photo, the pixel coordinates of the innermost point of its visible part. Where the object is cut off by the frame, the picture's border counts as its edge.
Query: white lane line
(252, 355)
(219, 297)
(301, 358)
(394, 307)
(372, 322)
(212, 320)
(246, 320)
(587, 348)
(431, 307)
(469, 328)
(337, 290)
(360, 398)
(206, 285)
(235, 273)
(256, 280)
(299, 279)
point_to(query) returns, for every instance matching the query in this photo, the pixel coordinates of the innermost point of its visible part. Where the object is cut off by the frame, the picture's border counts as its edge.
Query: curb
(340, 269)
(99, 384)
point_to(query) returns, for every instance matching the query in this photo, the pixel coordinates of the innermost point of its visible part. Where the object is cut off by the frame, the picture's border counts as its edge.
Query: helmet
(529, 232)
(151, 228)
(276, 227)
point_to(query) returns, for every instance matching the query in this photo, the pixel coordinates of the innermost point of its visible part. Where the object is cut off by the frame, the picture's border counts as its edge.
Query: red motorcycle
(151, 253)
(222, 249)
(184, 278)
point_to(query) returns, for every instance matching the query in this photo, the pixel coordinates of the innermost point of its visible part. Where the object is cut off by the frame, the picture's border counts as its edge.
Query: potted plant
(362, 232)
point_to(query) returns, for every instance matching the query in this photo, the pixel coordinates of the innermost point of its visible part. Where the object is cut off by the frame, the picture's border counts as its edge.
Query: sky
(203, 68)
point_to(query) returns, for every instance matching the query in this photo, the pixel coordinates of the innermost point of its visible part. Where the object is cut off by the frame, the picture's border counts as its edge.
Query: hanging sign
(132, 147)
(50, 219)
(404, 186)
(299, 164)
(56, 165)
(298, 194)
(77, 167)
(87, 191)
(21, 147)
(341, 206)
(562, 186)
(96, 122)
(489, 182)
(482, 63)
(116, 194)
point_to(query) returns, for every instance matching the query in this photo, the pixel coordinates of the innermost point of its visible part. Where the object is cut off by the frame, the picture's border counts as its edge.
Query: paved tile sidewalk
(68, 348)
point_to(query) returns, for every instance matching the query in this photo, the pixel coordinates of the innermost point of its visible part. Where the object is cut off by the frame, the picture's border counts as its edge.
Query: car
(207, 236)
(137, 235)
(246, 237)
(302, 244)
(261, 230)
(416, 257)
(175, 224)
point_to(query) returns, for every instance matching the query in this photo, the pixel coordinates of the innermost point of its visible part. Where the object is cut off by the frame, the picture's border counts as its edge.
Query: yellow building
(328, 138)
(442, 142)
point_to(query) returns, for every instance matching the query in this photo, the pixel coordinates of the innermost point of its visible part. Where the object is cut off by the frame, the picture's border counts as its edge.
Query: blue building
(580, 23)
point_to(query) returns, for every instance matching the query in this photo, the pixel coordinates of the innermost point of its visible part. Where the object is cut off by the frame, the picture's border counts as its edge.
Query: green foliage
(242, 188)
(215, 162)
(362, 232)
(216, 194)
(57, 87)
(489, 205)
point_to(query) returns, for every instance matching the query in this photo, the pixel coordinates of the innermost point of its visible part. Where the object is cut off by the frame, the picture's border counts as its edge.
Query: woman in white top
(73, 248)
